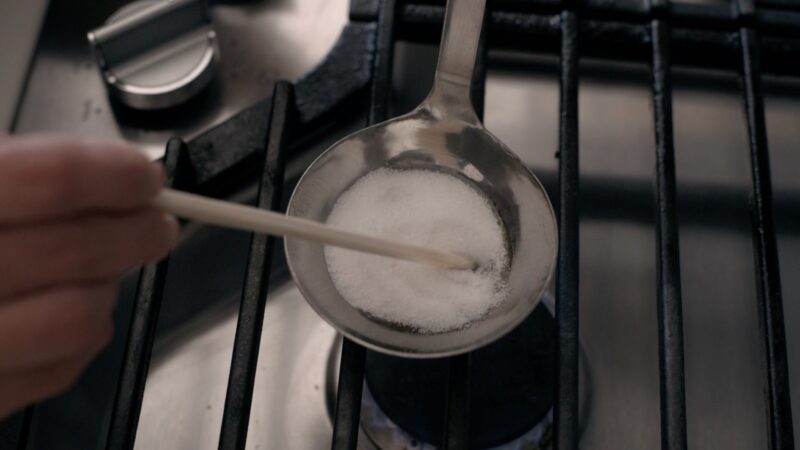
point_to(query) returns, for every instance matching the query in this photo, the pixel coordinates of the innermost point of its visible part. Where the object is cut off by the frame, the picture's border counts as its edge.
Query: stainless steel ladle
(443, 134)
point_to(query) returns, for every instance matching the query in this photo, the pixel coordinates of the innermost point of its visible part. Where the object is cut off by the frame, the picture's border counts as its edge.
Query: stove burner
(384, 434)
(513, 382)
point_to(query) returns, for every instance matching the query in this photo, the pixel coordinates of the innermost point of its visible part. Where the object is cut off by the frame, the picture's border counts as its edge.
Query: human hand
(74, 214)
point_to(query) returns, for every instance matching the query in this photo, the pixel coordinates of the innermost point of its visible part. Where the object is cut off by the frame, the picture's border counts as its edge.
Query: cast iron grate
(738, 37)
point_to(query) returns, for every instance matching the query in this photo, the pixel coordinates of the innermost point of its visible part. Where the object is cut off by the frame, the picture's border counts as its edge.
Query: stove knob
(156, 54)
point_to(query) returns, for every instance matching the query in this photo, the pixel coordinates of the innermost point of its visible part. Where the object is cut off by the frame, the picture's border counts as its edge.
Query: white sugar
(428, 209)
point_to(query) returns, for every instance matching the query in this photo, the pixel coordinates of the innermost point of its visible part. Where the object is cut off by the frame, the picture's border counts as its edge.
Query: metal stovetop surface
(185, 391)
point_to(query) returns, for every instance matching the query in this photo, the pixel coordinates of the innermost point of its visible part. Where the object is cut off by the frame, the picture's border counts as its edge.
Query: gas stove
(664, 328)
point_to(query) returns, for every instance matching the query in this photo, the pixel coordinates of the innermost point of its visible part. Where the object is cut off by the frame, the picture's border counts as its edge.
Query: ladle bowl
(442, 134)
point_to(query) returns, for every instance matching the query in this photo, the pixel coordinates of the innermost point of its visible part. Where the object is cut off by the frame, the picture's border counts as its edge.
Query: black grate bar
(382, 67)
(705, 16)
(351, 366)
(244, 362)
(567, 281)
(456, 420)
(607, 39)
(25, 427)
(770, 302)
(348, 396)
(149, 293)
(670, 319)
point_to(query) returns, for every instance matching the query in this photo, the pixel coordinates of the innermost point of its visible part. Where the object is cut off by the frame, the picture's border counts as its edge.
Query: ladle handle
(463, 21)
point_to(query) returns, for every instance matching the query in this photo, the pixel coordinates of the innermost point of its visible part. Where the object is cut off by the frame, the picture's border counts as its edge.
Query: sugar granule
(424, 208)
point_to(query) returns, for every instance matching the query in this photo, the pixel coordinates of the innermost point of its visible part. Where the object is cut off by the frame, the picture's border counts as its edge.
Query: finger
(19, 389)
(50, 176)
(81, 249)
(59, 323)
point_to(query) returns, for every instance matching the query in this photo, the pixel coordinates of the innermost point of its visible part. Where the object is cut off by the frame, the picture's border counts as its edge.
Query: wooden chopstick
(232, 215)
